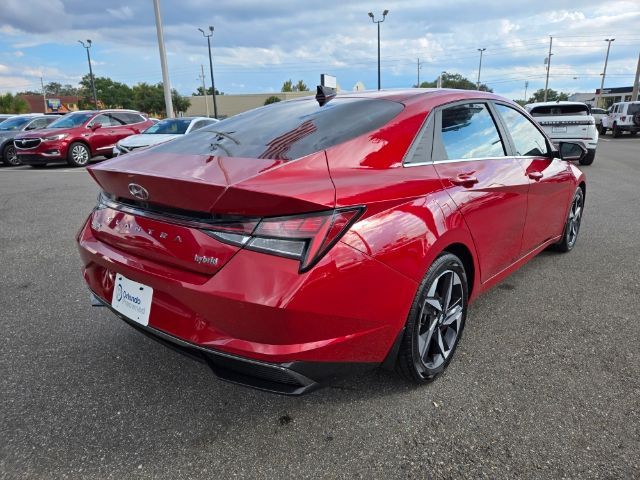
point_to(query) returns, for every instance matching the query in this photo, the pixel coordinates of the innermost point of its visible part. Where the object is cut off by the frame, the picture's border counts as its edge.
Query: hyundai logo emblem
(138, 191)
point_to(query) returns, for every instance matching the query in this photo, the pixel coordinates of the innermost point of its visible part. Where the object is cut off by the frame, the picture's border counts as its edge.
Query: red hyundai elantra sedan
(301, 240)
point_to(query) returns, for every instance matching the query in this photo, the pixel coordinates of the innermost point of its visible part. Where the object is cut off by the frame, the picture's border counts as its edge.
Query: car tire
(78, 155)
(435, 322)
(9, 156)
(632, 133)
(572, 225)
(616, 131)
(588, 158)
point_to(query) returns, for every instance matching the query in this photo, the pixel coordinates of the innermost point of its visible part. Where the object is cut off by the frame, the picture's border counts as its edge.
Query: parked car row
(38, 140)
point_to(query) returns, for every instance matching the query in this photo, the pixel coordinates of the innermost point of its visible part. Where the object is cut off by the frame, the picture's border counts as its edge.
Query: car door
(100, 138)
(550, 179)
(488, 186)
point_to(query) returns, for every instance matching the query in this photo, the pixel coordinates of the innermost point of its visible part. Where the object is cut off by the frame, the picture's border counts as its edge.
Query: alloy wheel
(440, 319)
(80, 155)
(11, 156)
(575, 216)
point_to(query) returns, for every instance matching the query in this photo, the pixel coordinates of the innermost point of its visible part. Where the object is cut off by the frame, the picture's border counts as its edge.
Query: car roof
(107, 110)
(548, 104)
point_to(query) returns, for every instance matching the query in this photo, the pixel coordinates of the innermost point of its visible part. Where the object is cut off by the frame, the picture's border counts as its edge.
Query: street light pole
(526, 85)
(546, 83)
(168, 101)
(213, 85)
(604, 73)
(378, 22)
(480, 67)
(93, 84)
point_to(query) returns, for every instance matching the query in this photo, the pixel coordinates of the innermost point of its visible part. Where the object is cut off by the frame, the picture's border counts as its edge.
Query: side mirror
(96, 126)
(571, 152)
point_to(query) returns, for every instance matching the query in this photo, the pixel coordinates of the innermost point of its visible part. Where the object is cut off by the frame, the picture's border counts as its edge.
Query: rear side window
(526, 137)
(560, 109)
(287, 130)
(468, 131)
(633, 108)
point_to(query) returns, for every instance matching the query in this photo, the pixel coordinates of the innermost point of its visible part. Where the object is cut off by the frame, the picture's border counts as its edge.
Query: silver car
(10, 127)
(163, 131)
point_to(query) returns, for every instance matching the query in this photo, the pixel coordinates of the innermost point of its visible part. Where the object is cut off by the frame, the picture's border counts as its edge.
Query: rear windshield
(633, 108)
(560, 110)
(287, 130)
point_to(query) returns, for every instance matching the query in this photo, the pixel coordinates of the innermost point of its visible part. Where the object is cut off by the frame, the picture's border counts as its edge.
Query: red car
(79, 136)
(298, 241)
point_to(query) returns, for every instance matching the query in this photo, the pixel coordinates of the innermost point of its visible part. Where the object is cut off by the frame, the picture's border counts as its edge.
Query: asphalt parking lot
(545, 383)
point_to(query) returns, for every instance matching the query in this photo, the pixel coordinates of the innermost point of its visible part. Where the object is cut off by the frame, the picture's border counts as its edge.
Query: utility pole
(213, 84)
(546, 83)
(204, 89)
(480, 67)
(378, 22)
(44, 95)
(526, 85)
(418, 85)
(604, 73)
(634, 94)
(93, 83)
(168, 102)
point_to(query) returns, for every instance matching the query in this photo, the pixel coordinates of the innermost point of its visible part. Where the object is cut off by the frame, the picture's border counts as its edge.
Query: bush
(272, 99)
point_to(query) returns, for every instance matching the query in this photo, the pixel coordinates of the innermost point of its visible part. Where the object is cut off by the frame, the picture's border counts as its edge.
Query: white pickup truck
(567, 122)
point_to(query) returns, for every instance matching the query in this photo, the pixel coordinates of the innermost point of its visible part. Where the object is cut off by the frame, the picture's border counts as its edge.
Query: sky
(258, 44)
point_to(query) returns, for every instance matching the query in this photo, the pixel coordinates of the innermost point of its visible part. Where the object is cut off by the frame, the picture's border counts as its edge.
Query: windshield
(560, 110)
(15, 123)
(72, 120)
(175, 126)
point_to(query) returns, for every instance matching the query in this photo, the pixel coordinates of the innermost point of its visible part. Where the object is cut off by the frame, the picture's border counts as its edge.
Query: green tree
(148, 98)
(198, 92)
(272, 99)
(110, 94)
(301, 87)
(552, 96)
(10, 103)
(287, 86)
(455, 80)
(180, 103)
(55, 88)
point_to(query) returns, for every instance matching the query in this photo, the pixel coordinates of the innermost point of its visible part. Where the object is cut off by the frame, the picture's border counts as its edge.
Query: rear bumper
(629, 128)
(346, 310)
(292, 378)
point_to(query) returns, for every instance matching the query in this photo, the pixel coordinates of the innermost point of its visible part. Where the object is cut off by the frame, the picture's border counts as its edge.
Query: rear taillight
(302, 237)
(623, 118)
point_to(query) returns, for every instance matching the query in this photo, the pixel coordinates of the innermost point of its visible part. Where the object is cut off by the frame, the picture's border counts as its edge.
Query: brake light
(623, 118)
(306, 238)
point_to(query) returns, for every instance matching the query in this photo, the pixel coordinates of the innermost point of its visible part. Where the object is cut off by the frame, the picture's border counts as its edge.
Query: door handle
(466, 180)
(535, 175)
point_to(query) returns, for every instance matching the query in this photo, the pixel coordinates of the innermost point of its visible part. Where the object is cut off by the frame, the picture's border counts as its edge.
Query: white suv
(622, 117)
(567, 122)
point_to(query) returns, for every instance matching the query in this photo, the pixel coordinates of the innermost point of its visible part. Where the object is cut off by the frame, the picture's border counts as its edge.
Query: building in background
(58, 104)
(614, 95)
(586, 97)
